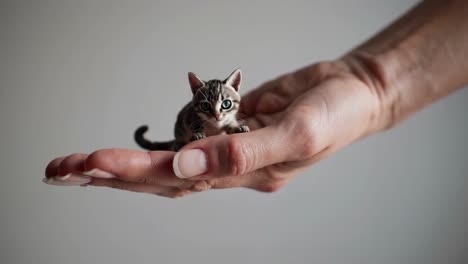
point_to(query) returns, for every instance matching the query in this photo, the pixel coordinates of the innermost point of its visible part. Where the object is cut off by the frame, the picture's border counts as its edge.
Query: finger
(67, 171)
(270, 96)
(271, 103)
(221, 183)
(170, 192)
(248, 104)
(263, 120)
(250, 100)
(259, 180)
(72, 164)
(154, 167)
(236, 155)
(52, 168)
(279, 92)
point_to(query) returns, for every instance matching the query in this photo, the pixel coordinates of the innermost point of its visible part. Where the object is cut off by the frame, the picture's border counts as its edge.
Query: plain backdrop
(76, 76)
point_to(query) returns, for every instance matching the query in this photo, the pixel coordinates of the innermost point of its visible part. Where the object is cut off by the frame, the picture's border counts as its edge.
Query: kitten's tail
(146, 144)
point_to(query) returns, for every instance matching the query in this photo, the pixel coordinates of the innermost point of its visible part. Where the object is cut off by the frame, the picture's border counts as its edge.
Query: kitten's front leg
(237, 129)
(198, 135)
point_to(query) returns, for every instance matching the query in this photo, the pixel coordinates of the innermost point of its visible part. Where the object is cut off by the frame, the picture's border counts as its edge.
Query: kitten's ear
(234, 79)
(195, 82)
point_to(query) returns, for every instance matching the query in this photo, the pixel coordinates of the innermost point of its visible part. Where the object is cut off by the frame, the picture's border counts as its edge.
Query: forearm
(418, 59)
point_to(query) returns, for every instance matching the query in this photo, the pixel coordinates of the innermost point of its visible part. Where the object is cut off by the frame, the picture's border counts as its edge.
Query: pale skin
(303, 117)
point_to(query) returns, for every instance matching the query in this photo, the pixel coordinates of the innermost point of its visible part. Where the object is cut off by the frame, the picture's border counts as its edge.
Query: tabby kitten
(212, 111)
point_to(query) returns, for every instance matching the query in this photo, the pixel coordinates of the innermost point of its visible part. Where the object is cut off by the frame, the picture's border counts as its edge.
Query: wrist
(417, 60)
(386, 75)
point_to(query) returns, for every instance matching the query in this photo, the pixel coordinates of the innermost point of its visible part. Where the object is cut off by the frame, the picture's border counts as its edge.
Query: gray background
(76, 76)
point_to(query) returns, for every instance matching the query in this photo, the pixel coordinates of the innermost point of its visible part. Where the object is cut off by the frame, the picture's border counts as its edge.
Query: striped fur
(206, 115)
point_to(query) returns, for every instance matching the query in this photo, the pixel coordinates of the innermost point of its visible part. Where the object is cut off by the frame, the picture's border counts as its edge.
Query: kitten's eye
(205, 106)
(226, 104)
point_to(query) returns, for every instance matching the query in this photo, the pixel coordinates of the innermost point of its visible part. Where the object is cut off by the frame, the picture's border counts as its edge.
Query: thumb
(232, 155)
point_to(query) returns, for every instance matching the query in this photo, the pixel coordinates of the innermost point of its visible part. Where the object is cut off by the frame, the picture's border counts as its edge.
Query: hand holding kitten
(296, 120)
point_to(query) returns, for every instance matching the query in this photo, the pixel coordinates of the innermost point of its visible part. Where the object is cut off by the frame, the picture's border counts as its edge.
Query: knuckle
(98, 158)
(306, 134)
(240, 157)
(70, 158)
(304, 137)
(274, 175)
(323, 68)
(200, 186)
(308, 148)
(70, 163)
(310, 75)
(287, 82)
(104, 156)
(75, 156)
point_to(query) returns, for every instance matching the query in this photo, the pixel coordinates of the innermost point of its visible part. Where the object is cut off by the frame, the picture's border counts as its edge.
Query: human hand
(302, 117)
(296, 120)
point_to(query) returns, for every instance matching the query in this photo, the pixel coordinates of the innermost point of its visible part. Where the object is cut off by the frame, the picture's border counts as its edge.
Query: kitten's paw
(197, 136)
(242, 129)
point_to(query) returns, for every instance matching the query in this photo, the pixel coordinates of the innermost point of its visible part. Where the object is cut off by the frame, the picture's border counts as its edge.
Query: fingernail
(68, 180)
(99, 174)
(47, 180)
(189, 163)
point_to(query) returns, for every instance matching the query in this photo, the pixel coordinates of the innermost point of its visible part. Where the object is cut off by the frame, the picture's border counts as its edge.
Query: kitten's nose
(217, 115)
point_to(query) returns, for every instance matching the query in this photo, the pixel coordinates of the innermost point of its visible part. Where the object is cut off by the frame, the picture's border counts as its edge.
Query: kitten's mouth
(217, 122)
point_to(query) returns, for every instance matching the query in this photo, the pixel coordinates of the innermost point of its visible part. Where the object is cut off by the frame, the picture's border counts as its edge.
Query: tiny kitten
(212, 111)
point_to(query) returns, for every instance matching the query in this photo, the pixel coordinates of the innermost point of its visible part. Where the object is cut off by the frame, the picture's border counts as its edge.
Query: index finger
(154, 167)
(151, 167)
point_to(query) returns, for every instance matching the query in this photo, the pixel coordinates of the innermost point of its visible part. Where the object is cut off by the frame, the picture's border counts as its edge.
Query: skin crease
(302, 117)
